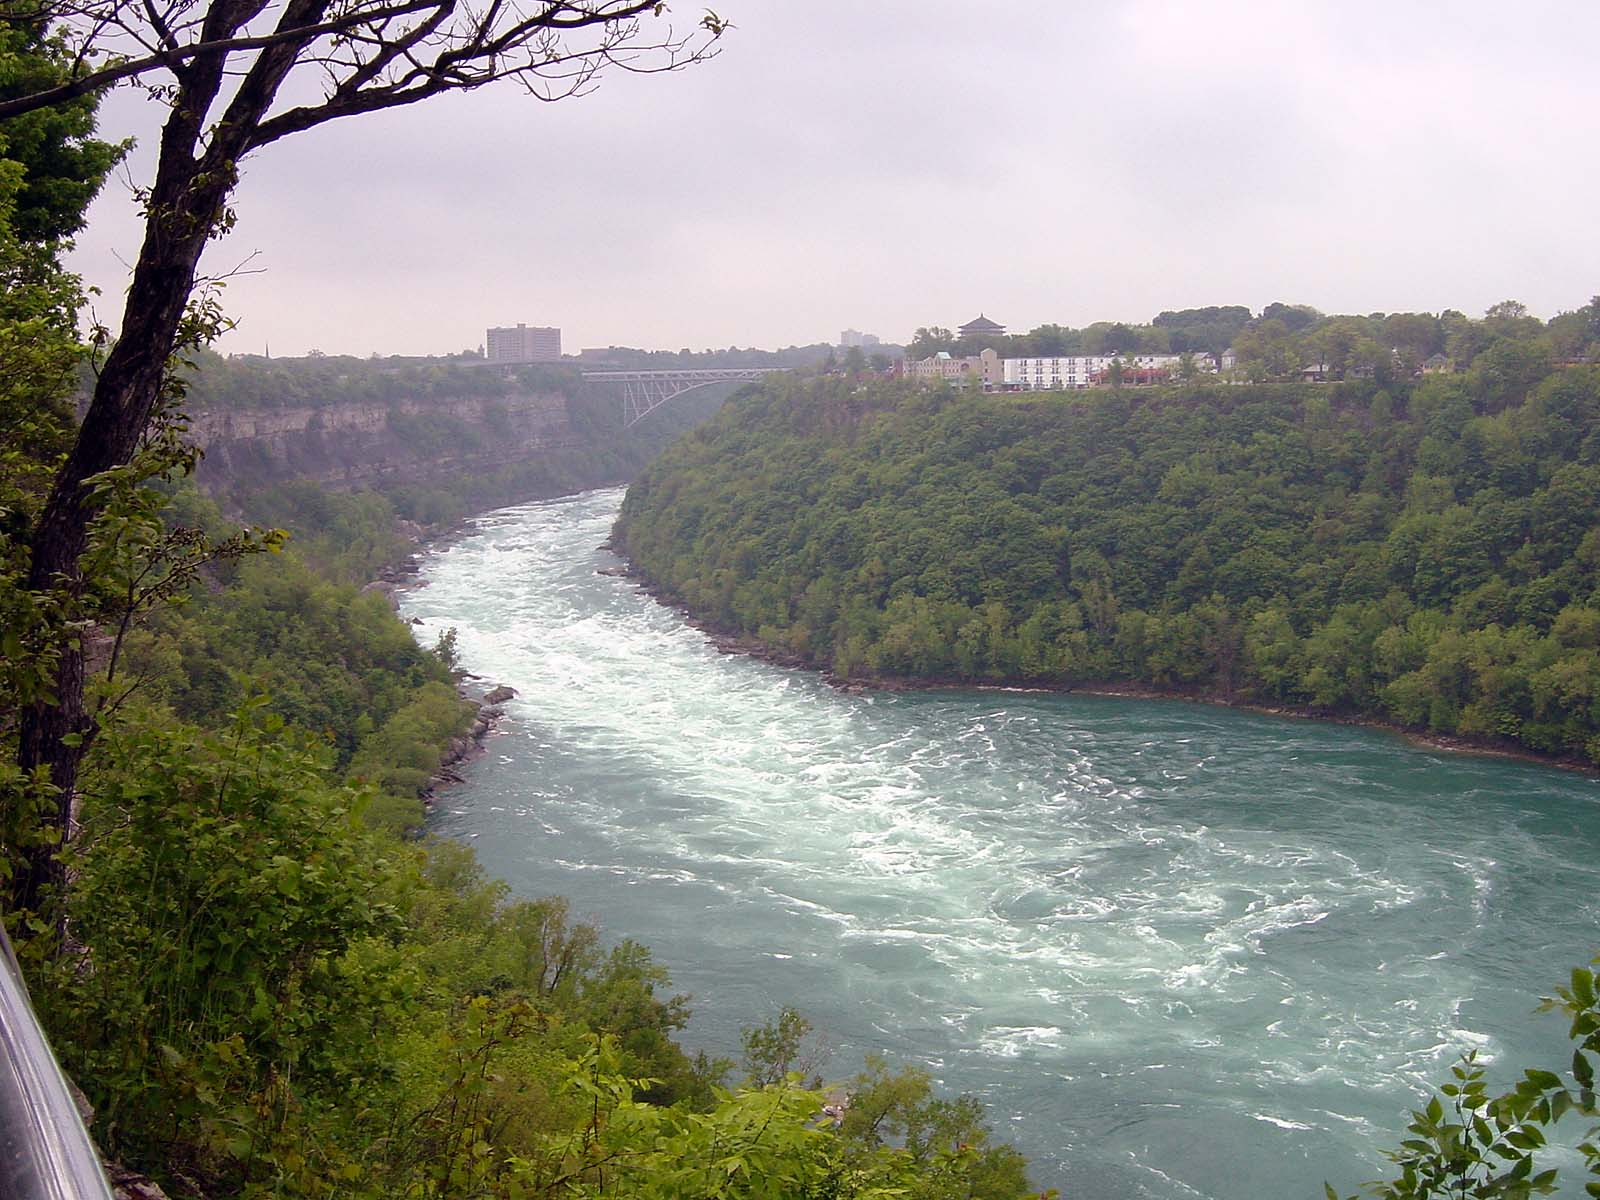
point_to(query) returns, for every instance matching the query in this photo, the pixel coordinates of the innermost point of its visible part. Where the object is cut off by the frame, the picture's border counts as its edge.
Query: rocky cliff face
(382, 443)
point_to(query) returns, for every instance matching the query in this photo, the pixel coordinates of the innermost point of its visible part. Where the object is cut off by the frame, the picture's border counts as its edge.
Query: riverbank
(487, 697)
(728, 642)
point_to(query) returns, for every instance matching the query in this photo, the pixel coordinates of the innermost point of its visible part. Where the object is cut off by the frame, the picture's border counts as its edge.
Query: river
(1178, 950)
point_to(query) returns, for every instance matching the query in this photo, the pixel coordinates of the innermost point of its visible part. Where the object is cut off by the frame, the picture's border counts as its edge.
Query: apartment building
(523, 344)
(1086, 370)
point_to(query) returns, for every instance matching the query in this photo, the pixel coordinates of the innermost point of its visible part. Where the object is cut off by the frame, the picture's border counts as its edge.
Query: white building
(524, 344)
(854, 337)
(1086, 370)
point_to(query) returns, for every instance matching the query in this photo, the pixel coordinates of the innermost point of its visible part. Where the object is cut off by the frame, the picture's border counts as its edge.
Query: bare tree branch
(453, 34)
(171, 59)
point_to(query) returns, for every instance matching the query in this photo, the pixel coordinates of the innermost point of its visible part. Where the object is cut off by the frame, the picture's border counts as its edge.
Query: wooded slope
(1427, 556)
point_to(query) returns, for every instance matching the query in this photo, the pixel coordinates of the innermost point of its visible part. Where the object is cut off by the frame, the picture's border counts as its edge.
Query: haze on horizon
(900, 164)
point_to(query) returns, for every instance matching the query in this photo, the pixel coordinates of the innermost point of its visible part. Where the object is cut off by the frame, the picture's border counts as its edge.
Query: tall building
(524, 344)
(854, 337)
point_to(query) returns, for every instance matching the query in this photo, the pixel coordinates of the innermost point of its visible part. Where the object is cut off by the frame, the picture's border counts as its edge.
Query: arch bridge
(645, 391)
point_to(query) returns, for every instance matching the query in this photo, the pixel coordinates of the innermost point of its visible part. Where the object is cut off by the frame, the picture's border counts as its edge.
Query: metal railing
(45, 1152)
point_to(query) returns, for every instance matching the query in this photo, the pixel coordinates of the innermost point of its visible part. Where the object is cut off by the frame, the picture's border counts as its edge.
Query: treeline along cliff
(1426, 554)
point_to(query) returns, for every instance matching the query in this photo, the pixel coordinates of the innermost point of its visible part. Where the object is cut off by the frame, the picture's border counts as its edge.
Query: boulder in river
(500, 695)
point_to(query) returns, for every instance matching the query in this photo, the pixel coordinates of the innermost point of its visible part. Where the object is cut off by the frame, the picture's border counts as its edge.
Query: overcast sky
(886, 164)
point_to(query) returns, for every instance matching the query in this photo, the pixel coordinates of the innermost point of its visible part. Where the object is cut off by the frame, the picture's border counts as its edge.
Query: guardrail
(45, 1152)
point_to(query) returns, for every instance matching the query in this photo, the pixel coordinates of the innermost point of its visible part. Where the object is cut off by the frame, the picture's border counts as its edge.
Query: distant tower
(981, 325)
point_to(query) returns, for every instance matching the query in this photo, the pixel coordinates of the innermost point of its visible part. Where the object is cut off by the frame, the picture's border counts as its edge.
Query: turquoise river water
(1178, 950)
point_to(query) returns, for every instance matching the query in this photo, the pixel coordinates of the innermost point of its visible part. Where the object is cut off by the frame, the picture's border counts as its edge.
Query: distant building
(524, 344)
(981, 326)
(984, 368)
(1087, 370)
(855, 338)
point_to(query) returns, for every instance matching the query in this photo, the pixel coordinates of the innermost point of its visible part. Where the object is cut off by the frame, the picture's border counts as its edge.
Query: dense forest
(1427, 555)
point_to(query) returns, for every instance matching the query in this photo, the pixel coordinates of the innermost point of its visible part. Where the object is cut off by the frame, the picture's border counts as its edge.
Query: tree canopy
(1429, 556)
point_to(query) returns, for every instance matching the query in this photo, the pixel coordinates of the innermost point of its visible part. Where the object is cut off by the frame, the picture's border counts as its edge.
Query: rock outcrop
(459, 749)
(379, 443)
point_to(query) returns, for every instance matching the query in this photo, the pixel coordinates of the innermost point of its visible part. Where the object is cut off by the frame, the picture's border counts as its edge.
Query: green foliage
(1429, 555)
(62, 164)
(275, 999)
(772, 1051)
(348, 537)
(219, 882)
(946, 1140)
(336, 662)
(402, 755)
(1468, 1145)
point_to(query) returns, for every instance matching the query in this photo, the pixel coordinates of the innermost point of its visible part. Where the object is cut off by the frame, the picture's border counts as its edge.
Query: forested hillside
(1426, 555)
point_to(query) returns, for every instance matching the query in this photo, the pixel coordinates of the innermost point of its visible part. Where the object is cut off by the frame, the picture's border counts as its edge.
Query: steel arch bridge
(645, 391)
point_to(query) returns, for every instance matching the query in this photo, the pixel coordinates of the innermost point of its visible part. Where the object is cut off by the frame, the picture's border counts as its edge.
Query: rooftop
(981, 324)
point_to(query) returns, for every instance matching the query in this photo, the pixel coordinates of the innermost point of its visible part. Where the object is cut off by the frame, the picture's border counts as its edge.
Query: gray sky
(885, 164)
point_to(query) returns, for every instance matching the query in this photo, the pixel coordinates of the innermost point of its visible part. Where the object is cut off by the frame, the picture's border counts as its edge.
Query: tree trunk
(195, 172)
(184, 207)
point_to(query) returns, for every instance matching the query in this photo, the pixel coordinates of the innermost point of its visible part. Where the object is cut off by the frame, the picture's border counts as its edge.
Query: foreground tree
(50, 166)
(235, 76)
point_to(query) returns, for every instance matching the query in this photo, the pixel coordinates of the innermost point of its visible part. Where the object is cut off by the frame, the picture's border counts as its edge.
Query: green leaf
(1582, 1069)
(1583, 987)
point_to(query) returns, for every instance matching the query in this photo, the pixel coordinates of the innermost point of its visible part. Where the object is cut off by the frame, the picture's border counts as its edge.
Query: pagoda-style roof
(981, 324)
